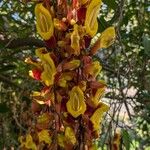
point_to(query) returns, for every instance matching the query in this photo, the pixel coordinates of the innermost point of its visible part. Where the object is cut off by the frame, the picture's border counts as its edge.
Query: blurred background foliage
(126, 69)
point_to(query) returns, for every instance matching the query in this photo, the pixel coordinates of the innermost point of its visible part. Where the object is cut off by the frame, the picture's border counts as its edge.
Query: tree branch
(8, 81)
(21, 42)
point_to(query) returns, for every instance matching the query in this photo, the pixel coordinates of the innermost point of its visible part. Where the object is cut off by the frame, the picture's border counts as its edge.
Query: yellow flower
(98, 95)
(71, 65)
(70, 135)
(61, 138)
(96, 68)
(48, 65)
(43, 118)
(82, 85)
(28, 143)
(44, 24)
(97, 116)
(105, 40)
(44, 137)
(43, 97)
(40, 53)
(20, 139)
(66, 76)
(76, 105)
(93, 69)
(107, 37)
(91, 23)
(75, 40)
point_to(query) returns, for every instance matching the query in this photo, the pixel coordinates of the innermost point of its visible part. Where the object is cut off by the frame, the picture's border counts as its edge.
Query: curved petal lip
(44, 24)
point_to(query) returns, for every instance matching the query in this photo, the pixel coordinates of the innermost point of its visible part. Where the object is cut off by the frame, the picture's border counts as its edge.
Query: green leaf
(110, 3)
(3, 108)
(126, 139)
(7, 68)
(146, 44)
(102, 24)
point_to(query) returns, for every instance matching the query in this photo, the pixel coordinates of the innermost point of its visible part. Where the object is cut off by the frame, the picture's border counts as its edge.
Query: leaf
(7, 68)
(102, 24)
(3, 108)
(146, 44)
(126, 139)
(110, 3)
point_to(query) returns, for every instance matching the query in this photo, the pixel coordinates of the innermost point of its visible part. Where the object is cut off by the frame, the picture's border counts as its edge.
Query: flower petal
(61, 138)
(91, 23)
(48, 64)
(97, 116)
(70, 135)
(71, 65)
(29, 144)
(98, 95)
(105, 40)
(93, 68)
(43, 118)
(66, 76)
(35, 74)
(44, 24)
(75, 40)
(107, 37)
(44, 137)
(76, 105)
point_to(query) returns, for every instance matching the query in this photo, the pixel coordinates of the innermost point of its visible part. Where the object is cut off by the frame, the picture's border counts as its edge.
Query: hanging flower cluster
(68, 110)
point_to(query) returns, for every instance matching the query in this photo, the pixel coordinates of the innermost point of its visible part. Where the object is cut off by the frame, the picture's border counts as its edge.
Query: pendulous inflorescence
(68, 109)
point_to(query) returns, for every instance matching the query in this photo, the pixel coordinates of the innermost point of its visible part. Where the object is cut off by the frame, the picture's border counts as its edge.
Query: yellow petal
(75, 40)
(62, 83)
(61, 138)
(91, 23)
(107, 37)
(44, 20)
(66, 76)
(48, 75)
(99, 93)
(94, 69)
(43, 118)
(20, 139)
(40, 52)
(82, 85)
(36, 93)
(48, 64)
(76, 104)
(44, 137)
(38, 97)
(29, 143)
(97, 116)
(70, 135)
(71, 65)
